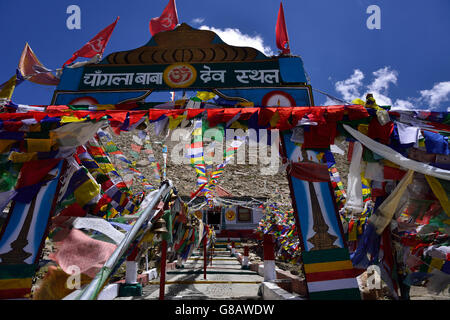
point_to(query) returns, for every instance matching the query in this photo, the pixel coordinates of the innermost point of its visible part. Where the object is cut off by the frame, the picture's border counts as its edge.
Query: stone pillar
(245, 258)
(131, 268)
(269, 258)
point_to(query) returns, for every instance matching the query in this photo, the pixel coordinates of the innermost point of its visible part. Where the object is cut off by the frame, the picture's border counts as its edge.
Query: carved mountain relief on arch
(184, 44)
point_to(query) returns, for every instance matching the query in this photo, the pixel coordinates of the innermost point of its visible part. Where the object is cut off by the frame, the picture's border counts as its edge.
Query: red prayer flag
(167, 21)
(191, 113)
(281, 32)
(33, 172)
(96, 45)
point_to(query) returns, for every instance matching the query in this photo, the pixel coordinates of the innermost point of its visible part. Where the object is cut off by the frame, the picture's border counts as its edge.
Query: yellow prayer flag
(390, 164)
(8, 88)
(148, 237)
(440, 193)
(174, 123)
(39, 145)
(274, 120)
(106, 167)
(358, 101)
(238, 125)
(86, 192)
(363, 128)
(19, 157)
(36, 128)
(436, 263)
(386, 210)
(66, 119)
(5, 145)
(353, 234)
(205, 95)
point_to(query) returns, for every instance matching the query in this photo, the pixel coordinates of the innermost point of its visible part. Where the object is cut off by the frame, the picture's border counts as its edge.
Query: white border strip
(332, 285)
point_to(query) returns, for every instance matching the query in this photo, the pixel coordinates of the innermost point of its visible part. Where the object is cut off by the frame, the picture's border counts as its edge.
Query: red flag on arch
(96, 45)
(166, 21)
(281, 32)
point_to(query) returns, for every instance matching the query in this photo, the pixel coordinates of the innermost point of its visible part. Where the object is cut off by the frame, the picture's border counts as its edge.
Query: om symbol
(167, 24)
(180, 75)
(97, 45)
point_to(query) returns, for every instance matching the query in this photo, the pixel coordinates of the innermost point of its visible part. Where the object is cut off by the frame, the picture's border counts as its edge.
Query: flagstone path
(224, 280)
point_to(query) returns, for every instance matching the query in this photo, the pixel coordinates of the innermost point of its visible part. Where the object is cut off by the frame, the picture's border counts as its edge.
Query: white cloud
(197, 20)
(330, 102)
(235, 37)
(384, 77)
(349, 88)
(354, 87)
(436, 95)
(402, 105)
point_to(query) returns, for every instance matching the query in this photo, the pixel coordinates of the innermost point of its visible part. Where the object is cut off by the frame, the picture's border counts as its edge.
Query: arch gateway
(190, 59)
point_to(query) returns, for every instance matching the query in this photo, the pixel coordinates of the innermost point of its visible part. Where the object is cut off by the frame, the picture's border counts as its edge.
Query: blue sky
(405, 63)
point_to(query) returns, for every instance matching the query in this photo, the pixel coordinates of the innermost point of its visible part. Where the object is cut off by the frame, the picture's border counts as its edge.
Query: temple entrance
(214, 217)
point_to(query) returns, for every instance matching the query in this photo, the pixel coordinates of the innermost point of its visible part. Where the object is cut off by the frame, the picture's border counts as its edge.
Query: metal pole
(162, 278)
(205, 258)
(211, 251)
(93, 289)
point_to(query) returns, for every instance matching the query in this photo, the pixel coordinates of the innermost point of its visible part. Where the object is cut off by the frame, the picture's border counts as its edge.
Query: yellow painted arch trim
(328, 266)
(15, 283)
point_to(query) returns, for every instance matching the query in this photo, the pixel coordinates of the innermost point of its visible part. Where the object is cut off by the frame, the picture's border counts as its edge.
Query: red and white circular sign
(278, 99)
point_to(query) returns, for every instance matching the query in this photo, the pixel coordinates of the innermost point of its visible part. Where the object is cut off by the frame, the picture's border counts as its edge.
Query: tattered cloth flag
(33, 70)
(75, 248)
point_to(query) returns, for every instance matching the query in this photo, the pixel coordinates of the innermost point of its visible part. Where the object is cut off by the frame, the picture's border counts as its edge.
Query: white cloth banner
(395, 157)
(354, 188)
(407, 134)
(99, 225)
(374, 171)
(77, 133)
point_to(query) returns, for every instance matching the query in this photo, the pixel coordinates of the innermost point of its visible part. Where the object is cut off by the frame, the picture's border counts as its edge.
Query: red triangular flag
(167, 21)
(96, 45)
(281, 32)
